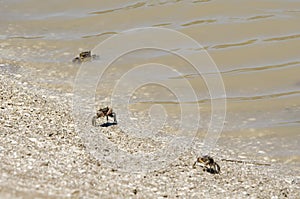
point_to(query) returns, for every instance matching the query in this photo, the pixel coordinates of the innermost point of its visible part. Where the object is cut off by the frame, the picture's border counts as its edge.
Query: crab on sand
(104, 112)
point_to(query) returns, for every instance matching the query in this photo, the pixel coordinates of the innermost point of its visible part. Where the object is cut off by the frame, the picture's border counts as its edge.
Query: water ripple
(283, 38)
(260, 17)
(136, 5)
(101, 34)
(262, 97)
(162, 24)
(232, 99)
(244, 70)
(201, 1)
(257, 97)
(25, 37)
(288, 123)
(199, 22)
(155, 3)
(235, 44)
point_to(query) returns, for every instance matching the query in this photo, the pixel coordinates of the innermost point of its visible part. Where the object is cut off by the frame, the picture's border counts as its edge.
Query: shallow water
(255, 45)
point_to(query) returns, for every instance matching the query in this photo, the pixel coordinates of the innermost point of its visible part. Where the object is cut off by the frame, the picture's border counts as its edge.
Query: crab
(102, 112)
(84, 57)
(208, 164)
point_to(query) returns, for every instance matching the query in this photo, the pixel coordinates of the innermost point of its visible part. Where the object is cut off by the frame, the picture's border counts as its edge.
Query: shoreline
(42, 156)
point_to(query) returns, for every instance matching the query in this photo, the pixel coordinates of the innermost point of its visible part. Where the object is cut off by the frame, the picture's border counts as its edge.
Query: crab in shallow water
(84, 57)
(102, 112)
(208, 164)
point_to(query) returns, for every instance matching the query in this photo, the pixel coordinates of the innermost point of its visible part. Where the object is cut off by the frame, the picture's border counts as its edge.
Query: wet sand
(43, 157)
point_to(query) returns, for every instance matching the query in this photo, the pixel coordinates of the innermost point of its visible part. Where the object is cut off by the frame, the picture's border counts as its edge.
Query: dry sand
(43, 157)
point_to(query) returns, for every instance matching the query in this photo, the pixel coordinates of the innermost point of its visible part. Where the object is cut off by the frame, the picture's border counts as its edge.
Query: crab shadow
(107, 124)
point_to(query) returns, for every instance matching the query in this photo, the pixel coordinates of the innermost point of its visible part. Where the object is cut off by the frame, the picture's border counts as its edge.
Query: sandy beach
(43, 157)
(49, 148)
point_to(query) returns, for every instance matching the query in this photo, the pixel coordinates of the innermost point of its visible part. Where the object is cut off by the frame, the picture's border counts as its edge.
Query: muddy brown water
(255, 45)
